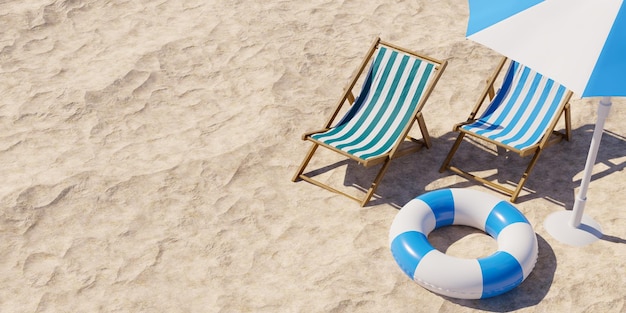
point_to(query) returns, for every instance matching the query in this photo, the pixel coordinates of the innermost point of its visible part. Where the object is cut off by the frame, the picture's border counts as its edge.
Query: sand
(147, 150)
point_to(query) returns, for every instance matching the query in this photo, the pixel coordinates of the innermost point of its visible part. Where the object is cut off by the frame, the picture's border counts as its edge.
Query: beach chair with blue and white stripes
(521, 117)
(393, 93)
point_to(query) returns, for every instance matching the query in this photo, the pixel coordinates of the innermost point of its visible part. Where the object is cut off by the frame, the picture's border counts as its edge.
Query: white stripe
(460, 277)
(534, 127)
(414, 216)
(527, 110)
(388, 109)
(404, 107)
(376, 106)
(562, 39)
(455, 277)
(508, 116)
(520, 240)
(472, 208)
(351, 124)
(519, 124)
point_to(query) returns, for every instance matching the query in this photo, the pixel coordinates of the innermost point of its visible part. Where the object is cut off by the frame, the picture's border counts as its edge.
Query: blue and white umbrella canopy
(579, 43)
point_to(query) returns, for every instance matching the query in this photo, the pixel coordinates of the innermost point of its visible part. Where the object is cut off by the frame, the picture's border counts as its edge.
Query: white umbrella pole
(579, 205)
(573, 227)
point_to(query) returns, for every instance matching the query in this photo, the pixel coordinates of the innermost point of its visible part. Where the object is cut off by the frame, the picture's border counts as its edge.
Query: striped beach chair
(521, 117)
(393, 92)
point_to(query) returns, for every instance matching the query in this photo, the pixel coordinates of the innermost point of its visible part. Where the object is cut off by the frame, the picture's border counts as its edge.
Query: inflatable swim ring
(458, 277)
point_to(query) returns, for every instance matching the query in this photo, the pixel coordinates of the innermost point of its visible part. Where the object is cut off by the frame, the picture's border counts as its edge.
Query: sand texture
(147, 150)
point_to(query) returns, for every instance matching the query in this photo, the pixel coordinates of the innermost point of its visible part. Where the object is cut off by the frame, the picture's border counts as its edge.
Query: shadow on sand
(529, 293)
(552, 177)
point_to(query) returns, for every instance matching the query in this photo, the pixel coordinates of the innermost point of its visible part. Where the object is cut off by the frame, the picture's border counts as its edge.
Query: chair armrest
(491, 92)
(308, 134)
(351, 98)
(459, 125)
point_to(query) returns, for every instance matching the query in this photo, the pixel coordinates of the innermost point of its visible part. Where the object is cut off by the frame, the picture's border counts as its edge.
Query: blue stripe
(394, 114)
(379, 87)
(535, 109)
(607, 78)
(408, 249)
(504, 89)
(380, 54)
(441, 202)
(385, 106)
(534, 115)
(360, 99)
(408, 114)
(524, 106)
(499, 97)
(484, 128)
(501, 216)
(509, 105)
(501, 273)
(383, 77)
(541, 128)
(484, 13)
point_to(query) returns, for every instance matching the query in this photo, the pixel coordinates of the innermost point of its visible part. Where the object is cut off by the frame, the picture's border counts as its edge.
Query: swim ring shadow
(456, 277)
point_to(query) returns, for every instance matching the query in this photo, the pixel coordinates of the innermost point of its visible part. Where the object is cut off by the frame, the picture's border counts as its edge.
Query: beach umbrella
(579, 43)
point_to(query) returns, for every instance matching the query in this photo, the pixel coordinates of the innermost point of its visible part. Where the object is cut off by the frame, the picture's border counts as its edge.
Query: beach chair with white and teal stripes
(521, 117)
(393, 93)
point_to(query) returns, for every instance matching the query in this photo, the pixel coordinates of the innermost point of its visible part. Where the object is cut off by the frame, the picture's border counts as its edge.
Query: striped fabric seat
(387, 103)
(521, 113)
(521, 117)
(378, 121)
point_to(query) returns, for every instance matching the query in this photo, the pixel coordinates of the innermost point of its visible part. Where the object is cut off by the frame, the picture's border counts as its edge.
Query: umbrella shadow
(407, 177)
(613, 239)
(567, 160)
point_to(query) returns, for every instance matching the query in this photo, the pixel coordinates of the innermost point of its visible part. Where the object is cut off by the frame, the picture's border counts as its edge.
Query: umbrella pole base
(558, 226)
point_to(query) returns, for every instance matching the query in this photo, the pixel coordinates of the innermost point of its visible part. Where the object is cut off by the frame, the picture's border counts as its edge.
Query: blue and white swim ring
(459, 277)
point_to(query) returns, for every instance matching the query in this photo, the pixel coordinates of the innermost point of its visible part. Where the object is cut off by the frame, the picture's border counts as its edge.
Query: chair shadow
(412, 175)
(553, 175)
(406, 177)
(556, 167)
(417, 173)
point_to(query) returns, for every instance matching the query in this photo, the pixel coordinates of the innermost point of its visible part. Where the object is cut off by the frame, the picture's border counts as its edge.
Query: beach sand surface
(147, 150)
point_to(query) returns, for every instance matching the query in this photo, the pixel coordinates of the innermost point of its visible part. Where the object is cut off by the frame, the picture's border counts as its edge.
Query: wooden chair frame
(395, 152)
(549, 138)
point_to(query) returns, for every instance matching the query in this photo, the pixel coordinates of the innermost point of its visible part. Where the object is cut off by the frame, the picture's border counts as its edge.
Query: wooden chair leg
(424, 130)
(522, 181)
(514, 193)
(568, 123)
(446, 162)
(376, 182)
(305, 162)
(300, 175)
